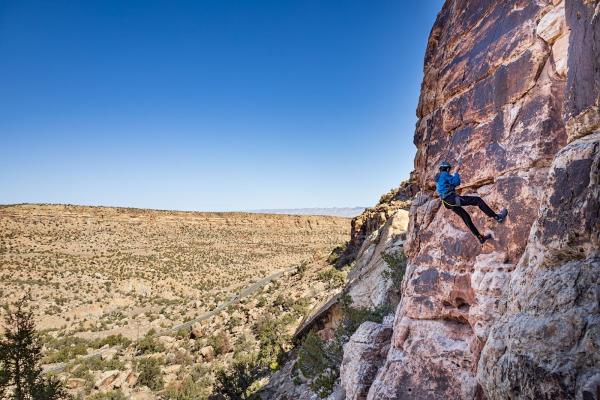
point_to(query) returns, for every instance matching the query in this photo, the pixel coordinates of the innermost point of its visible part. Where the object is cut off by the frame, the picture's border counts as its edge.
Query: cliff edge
(511, 90)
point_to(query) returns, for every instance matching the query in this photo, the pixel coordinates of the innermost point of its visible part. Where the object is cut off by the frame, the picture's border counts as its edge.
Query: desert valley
(112, 288)
(478, 285)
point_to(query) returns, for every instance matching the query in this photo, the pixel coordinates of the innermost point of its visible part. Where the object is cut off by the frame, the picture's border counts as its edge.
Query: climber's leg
(467, 220)
(478, 201)
(451, 202)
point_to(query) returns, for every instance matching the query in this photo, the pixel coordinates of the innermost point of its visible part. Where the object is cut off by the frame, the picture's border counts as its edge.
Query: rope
(448, 204)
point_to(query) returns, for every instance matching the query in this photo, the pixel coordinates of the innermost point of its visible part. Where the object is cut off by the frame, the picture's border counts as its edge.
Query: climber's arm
(455, 179)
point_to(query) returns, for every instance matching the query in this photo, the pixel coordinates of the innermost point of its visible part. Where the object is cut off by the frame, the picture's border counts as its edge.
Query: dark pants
(455, 202)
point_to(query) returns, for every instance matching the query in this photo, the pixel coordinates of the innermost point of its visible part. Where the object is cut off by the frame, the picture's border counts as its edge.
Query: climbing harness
(456, 197)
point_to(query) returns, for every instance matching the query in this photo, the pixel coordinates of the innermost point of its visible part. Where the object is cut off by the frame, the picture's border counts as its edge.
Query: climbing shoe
(502, 215)
(483, 239)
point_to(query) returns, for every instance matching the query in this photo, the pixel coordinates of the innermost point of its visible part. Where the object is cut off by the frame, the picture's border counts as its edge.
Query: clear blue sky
(209, 105)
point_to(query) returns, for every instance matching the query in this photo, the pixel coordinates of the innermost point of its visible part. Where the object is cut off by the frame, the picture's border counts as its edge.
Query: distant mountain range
(349, 212)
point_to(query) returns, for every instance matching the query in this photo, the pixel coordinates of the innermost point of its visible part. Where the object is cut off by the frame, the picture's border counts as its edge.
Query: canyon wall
(378, 230)
(511, 93)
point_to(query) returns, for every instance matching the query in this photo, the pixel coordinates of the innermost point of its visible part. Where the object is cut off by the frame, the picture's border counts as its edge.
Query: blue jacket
(446, 183)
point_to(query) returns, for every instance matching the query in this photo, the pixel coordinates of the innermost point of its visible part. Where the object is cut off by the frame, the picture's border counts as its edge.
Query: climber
(446, 184)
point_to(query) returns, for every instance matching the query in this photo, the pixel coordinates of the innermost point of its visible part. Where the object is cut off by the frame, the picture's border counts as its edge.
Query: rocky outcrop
(366, 284)
(511, 92)
(378, 230)
(363, 355)
(547, 341)
(372, 219)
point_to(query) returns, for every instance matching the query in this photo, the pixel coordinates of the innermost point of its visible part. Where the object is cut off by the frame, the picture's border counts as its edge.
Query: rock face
(365, 282)
(511, 91)
(380, 229)
(363, 355)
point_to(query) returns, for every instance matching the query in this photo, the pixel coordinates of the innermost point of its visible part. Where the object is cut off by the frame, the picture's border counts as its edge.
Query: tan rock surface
(363, 355)
(365, 283)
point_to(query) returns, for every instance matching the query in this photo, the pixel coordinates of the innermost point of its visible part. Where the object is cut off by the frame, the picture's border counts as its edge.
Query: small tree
(150, 374)
(320, 360)
(397, 267)
(20, 355)
(395, 273)
(235, 383)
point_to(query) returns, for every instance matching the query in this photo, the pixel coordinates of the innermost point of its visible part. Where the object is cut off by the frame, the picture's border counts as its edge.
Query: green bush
(65, 354)
(112, 395)
(324, 383)
(239, 380)
(319, 361)
(300, 306)
(336, 257)
(189, 390)
(68, 348)
(148, 344)
(112, 340)
(183, 333)
(96, 363)
(353, 317)
(150, 375)
(332, 277)
(272, 335)
(220, 343)
(65, 349)
(397, 267)
(284, 301)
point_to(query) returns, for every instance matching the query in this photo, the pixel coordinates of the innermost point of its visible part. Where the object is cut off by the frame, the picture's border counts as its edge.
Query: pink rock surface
(519, 317)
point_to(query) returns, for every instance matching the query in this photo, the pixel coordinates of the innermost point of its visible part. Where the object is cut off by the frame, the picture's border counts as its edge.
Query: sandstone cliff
(378, 230)
(511, 90)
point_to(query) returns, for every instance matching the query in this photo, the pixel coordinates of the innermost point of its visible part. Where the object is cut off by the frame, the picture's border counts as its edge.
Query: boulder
(363, 356)
(208, 353)
(109, 353)
(125, 378)
(106, 379)
(75, 383)
(197, 331)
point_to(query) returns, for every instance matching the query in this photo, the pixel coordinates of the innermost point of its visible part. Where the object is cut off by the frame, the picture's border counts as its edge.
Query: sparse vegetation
(112, 395)
(319, 360)
(333, 277)
(238, 381)
(115, 287)
(96, 363)
(148, 344)
(337, 255)
(397, 267)
(220, 343)
(189, 390)
(150, 375)
(20, 356)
